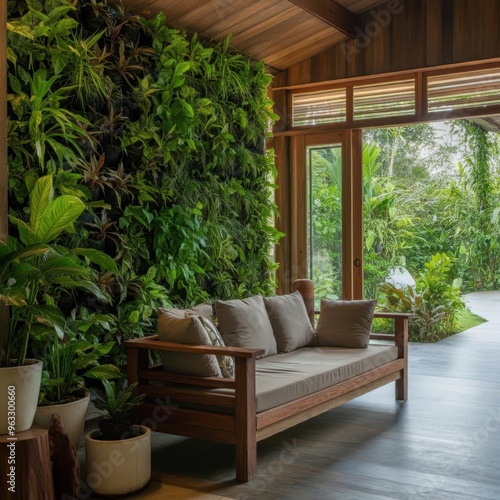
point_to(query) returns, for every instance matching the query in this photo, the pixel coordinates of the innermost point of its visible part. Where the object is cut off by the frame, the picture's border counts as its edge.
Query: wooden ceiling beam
(331, 12)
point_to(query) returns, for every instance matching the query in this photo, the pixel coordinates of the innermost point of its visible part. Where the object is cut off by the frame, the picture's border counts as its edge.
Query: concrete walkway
(485, 304)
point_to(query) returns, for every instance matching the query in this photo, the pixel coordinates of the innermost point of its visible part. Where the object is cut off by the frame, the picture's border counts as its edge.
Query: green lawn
(466, 320)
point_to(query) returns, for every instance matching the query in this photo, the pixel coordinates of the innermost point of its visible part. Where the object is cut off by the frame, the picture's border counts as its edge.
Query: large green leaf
(24, 254)
(7, 248)
(40, 197)
(104, 372)
(59, 216)
(25, 232)
(67, 282)
(64, 265)
(102, 320)
(50, 316)
(97, 257)
(20, 28)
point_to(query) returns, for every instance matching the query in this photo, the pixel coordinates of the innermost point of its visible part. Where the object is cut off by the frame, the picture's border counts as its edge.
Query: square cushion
(345, 323)
(204, 309)
(226, 363)
(291, 326)
(245, 323)
(176, 325)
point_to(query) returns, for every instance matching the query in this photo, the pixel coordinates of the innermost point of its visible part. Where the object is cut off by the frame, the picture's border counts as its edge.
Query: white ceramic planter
(19, 389)
(118, 467)
(72, 414)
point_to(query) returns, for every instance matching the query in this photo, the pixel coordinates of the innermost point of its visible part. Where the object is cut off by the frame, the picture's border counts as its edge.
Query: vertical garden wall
(163, 138)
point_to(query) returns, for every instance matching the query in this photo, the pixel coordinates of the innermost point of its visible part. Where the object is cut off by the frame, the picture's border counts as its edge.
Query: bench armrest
(152, 342)
(392, 315)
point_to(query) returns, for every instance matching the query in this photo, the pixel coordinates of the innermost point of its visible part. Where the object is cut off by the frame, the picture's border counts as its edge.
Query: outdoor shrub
(433, 302)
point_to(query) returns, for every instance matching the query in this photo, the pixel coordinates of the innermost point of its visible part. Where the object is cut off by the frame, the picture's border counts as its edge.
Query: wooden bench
(189, 406)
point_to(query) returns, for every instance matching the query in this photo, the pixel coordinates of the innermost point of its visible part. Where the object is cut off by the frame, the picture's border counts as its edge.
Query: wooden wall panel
(282, 223)
(298, 211)
(280, 99)
(491, 32)
(3, 122)
(403, 35)
(433, 22)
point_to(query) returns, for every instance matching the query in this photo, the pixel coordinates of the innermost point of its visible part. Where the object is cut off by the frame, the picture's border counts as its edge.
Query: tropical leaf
(40, 197)
(68, 282)
(23, 254)
(25, 232)
(96, 257)
(104, 372)
(64, 265)
(58, 217)
(20, 28)
(50, 316)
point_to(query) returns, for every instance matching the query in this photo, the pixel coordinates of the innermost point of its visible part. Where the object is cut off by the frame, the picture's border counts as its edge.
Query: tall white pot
(19, 390)
(118, 467)
(72, 414)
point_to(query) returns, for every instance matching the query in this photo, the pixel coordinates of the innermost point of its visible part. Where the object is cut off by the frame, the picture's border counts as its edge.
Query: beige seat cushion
(286, 377)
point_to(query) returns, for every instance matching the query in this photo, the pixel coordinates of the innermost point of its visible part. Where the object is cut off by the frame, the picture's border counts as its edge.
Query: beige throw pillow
(181, 327)
(244, 323)
(204, 309)
(345, 323)
(291, 326)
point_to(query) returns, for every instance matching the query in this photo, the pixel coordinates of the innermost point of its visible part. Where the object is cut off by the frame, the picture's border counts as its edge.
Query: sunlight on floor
(159, 489)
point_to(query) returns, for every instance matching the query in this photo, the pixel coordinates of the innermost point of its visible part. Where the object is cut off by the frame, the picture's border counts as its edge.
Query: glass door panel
(324, 221)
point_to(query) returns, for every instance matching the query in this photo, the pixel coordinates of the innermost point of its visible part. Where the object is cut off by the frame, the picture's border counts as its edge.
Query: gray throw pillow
(244, 323)
(226, 363)
(182, 327)
(291, 326)
(345, 323)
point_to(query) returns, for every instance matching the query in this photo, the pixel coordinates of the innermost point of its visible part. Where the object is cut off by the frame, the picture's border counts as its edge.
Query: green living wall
(162, 135)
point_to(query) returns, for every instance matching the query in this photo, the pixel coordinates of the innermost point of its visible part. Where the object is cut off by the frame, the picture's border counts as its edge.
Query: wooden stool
(25, 467)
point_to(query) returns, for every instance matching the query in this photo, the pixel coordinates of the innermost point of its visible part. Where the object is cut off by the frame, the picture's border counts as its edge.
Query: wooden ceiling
(279, 32)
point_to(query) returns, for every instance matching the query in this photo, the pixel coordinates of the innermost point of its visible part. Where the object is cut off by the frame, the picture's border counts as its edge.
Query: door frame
(292, 252)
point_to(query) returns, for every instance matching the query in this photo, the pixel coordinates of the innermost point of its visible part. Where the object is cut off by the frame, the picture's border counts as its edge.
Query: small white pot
(19, 390)
(118, 467)
(72, 414)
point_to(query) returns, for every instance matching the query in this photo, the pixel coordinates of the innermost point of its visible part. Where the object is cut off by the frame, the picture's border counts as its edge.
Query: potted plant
(19, 376)
(123, 449)
(67, 365)
(32, 273)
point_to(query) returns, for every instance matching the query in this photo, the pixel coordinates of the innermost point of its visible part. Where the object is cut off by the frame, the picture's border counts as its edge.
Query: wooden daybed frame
(230, 416)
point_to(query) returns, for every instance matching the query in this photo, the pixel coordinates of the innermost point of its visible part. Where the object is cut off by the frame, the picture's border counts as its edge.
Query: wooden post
(25, 467)
(306, 289)
(137, 360)
(401, 340)
(245, 419)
